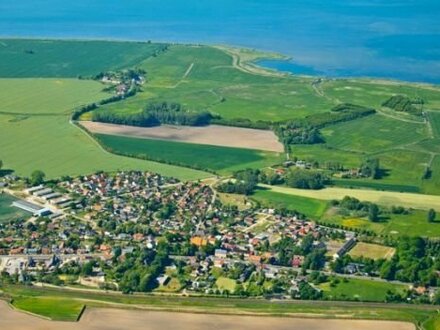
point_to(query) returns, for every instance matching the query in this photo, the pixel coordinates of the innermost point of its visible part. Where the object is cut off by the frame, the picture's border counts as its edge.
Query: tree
(37, 177)
(431, 215)
(373, 213)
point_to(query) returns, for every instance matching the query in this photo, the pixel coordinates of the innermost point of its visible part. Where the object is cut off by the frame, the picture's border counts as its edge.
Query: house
(199, 241)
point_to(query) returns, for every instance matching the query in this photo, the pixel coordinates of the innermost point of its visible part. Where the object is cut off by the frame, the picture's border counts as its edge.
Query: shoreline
(265, 55)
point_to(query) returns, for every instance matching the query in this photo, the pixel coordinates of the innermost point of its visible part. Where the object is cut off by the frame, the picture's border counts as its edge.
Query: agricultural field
(313, 208)
(362, 290)
(214, 158)
(224, 136)
(37, 134)
(53, 308)
(372, 251)
(8, 212)
(352, 311)
(385, 198)
(21, 58)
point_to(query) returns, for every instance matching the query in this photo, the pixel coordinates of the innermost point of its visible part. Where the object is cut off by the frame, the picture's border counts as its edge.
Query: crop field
(30, 140)
(53, 308)
(47, 97)
(362, 290)
(372, 251)
(314, 208)
(22, 58)
(386, 198)
(8, 212)
(215, 158)
(413, 314)
(224, 136)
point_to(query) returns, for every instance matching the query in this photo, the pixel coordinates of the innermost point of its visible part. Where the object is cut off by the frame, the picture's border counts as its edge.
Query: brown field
(225, 136)
(372, 251)
(118, 319)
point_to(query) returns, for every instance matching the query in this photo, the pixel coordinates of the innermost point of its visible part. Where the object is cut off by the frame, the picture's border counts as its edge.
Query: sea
(394, 39)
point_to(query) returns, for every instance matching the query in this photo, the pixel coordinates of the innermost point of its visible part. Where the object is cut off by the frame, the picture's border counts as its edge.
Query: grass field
(420, 315)
(8, 212)
(30, 140)
(221, 159)
(313, 208)
(414, 224)
(372, 251)
(362, 290)
(373, 133)
(386, 198)
(55, 58)
(224, 283)
(54, 308)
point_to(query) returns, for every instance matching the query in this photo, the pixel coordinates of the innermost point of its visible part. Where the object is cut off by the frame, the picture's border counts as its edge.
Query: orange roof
(199, 241)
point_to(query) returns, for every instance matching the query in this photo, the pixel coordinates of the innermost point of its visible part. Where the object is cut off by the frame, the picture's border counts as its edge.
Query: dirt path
(216, 135)
(118, 319)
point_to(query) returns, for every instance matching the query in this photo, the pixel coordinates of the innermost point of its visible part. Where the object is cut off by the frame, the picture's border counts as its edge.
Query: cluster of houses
(126, 211)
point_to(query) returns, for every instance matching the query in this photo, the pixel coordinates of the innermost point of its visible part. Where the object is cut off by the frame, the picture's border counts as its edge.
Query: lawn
(372, 251)
(224, 283)
(362, 290)
(214, 158)
(30, 140)
(313, 208)
(57, 309)
(62, 58)
(8, 212)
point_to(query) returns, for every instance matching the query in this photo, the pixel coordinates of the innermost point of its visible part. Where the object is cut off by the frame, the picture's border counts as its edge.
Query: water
(394, 39)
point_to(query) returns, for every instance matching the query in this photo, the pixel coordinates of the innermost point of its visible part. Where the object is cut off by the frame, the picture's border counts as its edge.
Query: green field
(414, 224)
(36, 133)
(313, 208)
(69, 59)
(224, 283)
(424, 316)
(362, 290)
(373, 133)
(215, 158)
(58, 309)
(8, 212)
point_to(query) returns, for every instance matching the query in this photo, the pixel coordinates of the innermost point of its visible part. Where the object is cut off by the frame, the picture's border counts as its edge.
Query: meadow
(214, 158)
(37, 134)
(22, 58)
(361, 290)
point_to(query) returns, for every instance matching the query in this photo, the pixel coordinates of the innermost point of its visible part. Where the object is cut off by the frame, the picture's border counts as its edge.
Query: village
(89, 231)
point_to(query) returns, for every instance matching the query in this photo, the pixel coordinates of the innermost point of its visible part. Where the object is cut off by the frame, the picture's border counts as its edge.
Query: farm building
(348, 245)
(32, 208)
